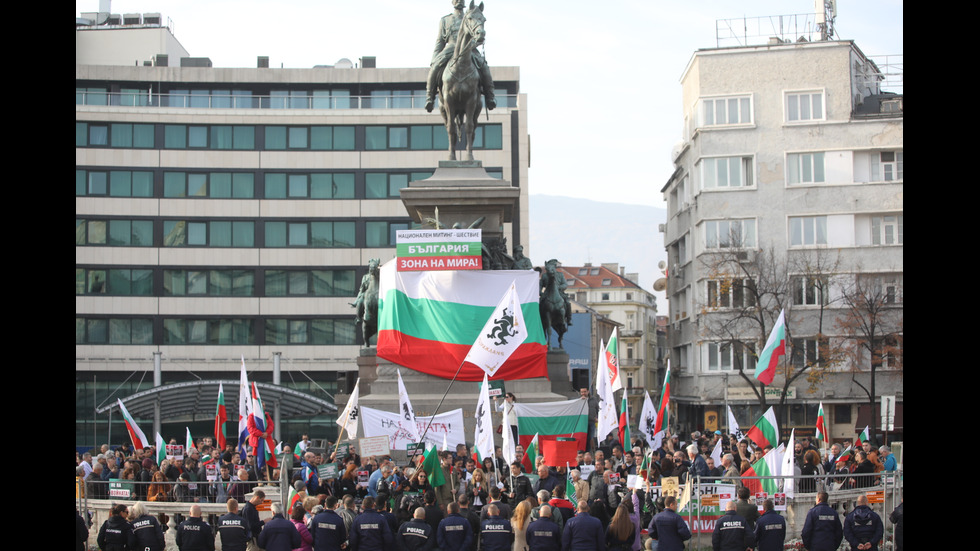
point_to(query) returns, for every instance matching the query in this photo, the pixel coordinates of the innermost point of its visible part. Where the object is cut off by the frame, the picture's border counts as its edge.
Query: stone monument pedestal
(459, 194)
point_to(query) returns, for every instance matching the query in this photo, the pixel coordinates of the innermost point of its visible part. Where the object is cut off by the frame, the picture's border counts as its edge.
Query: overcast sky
(602, 78)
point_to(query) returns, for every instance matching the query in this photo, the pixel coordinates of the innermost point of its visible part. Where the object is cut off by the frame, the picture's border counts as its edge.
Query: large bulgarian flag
(765, 432)
(765, 367)
(428, 321)
(551, 420)
(767, 466)
(135, 434)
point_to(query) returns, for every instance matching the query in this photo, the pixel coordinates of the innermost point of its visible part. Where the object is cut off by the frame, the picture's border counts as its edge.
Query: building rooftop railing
(233, 100)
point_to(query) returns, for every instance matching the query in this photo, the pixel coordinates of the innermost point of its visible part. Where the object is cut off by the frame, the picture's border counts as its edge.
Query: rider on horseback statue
(445, 46)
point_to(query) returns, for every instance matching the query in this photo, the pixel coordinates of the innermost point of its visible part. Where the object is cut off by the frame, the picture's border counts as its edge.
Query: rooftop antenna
(826, 11)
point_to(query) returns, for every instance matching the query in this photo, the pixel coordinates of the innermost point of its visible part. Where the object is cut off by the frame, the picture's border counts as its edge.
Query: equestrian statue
(366, 304)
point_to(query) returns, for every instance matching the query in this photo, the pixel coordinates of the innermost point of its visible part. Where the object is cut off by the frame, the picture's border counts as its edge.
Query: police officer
(416, 534)
(194, 534)
(496, 533)
(370, 530)
(328, 528)
(115, 532)
(770, 529)
(455, 532)
(543, 534)
(147, 532)
(233, 529)
(669, 528)
(822, 530)
(863, 528)
(583, 532)
(732, 532)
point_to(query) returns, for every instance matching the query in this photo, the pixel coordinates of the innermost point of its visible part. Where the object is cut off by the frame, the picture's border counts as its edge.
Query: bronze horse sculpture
(366, 304)
(552, 304)
(459, 96)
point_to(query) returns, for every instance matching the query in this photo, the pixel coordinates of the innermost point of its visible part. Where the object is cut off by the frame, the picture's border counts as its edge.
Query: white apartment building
(787, 194)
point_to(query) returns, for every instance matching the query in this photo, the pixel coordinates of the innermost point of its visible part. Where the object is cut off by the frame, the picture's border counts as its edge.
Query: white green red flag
(551, 420)
(220, 418)
(347, 421)
(429, 320)
(501, 336)
(765, 367)
(865, 435)
(821, 425)
(135, 434)
(765, 432)
(768, 466)
(610, 361)
(531, 453)
(161, 449)
(189, 441)
(664, 402)
(624, 424)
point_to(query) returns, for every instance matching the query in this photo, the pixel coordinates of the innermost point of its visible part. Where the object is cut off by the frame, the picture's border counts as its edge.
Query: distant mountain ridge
(576, 231)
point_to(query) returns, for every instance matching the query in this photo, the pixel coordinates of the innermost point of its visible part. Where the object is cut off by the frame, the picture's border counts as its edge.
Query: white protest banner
(447, 425)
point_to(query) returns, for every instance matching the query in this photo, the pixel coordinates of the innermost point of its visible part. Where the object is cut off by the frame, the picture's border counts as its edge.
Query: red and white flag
(135, 434)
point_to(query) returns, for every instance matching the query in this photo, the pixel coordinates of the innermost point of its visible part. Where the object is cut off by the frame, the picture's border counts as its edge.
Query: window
(317, 283)
(727, 356)
(884, 288)
(805, 168)
(131, 135)
(219, 283)
(887, 166)
(726, 172)
(208, 331)
(804, 106)
(381, 185)
(215, 185)
(382, 234)
(730, 293)
(309, 331)
(810, 291)
(808, 351)
(113, 331)
(208, 233)
(888, 229)
(114, 233)
(309, 186)
(723, 234)
(179, 136)
(309, 234)
(115, 282)
(807, 231)
(726, 111)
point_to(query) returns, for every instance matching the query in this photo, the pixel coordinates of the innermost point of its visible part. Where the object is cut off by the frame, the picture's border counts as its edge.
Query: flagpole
(436, 412)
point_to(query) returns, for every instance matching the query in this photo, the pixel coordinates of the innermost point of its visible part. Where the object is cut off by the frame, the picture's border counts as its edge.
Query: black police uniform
(147, 534)
(732, 533)
(415, 535)
(496, 534)
(328, 530)
(543, 535)
(234, 532)
(195, 535)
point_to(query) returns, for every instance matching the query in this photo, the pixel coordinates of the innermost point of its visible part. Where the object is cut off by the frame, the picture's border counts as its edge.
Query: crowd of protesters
(374, 504)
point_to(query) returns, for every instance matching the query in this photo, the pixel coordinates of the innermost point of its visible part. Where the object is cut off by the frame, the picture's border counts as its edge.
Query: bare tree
(873, 323)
